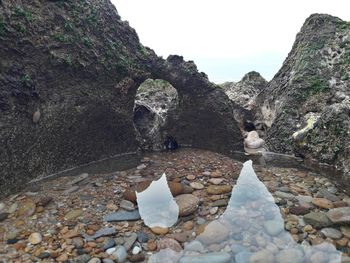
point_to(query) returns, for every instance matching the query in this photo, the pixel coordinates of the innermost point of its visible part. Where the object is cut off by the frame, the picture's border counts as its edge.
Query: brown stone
(188, 225)
(323, 203)
(340, 204)
(175, 188)
(160, 230)
(152, 245)
(169, 243)
(215, 232)
(187, 204)
(62, 258)
(343, 242)
(136, 258)
(219, 189)
(71, 234)
(299, 210)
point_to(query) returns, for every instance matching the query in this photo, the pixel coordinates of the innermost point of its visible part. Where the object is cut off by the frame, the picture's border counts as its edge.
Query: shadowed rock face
(69, 72)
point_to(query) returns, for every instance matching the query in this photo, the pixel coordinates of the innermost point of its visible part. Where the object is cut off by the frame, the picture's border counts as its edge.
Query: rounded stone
(187, 203)
(196, 185)
(35, 238)
(160, 230)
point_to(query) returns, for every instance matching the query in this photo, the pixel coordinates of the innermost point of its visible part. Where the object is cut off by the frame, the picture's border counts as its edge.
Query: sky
(225, 38)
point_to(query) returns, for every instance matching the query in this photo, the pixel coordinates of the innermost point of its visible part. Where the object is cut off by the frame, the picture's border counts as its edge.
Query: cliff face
(245, 91)
(307, 104)
(69, 72)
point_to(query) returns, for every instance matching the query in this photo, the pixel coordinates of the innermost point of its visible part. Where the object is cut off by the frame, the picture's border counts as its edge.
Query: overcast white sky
(225, 38)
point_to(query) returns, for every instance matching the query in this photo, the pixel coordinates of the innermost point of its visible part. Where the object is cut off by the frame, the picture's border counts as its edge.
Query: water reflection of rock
(250, 230)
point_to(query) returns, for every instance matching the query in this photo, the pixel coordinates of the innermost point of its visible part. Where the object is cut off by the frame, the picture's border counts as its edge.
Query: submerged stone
(217, 257)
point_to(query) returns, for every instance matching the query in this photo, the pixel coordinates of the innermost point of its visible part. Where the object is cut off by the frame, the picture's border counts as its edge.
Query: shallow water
(250, 230)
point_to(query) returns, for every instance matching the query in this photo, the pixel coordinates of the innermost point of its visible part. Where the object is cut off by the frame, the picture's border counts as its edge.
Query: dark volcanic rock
(69, 72)
(306, 106)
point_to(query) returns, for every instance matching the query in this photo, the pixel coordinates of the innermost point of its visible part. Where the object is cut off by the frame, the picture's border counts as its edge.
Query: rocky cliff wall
(69, 72)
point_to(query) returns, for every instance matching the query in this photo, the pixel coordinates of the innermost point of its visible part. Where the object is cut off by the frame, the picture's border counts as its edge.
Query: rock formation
(307, 104)
(69, 72)
(153, 100)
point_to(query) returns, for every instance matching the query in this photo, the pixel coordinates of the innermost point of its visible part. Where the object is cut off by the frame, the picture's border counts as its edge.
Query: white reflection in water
(250, 230)
(156, 204)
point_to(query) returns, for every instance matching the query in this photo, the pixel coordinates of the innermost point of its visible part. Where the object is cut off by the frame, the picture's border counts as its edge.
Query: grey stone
(122, 216)
(317, 219)
(107, 260)
(328, 195)
(110, 243)
(194, 245)
(290, 255)
(100, 233)
(142, 237)
(217, 257)
(284, 195)
(129, 241)
(332, 233)
(82, 259)
(127, 205)
(273, 227)
(187, 203)
(339, 215)
(120, 254)
(94, 260)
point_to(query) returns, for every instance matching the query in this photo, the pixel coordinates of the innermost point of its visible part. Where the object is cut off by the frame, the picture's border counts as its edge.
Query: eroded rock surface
(307, 104)
(69, 72)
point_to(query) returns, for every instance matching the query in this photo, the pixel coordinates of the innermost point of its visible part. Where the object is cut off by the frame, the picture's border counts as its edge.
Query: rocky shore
(92, 218)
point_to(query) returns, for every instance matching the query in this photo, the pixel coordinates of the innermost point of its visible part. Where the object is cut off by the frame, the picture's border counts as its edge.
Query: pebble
(331, 233)
(44, 255)
(129, 241)
(136, 250)
(160, 230)
(108, 244)
(273, 227)
(322, 203)
(123, 216)
(120, 254)
(142, 237)
(216, 181)
(188, 225)
(107, 260)
(169, 243)
(219, 189)
(345, 230)
(2, 206)
(284, 195)
(137, 258)
(217, 257)
(187, 204)
(26, 208)
(190, 177)
(73, 214)
(141, 166)
(94, 260)
(196, 185)
(215, 232)
(127, 205)
(111, 250)
(78, 242)
(35, 238)
(317, 219)
(339, 215)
